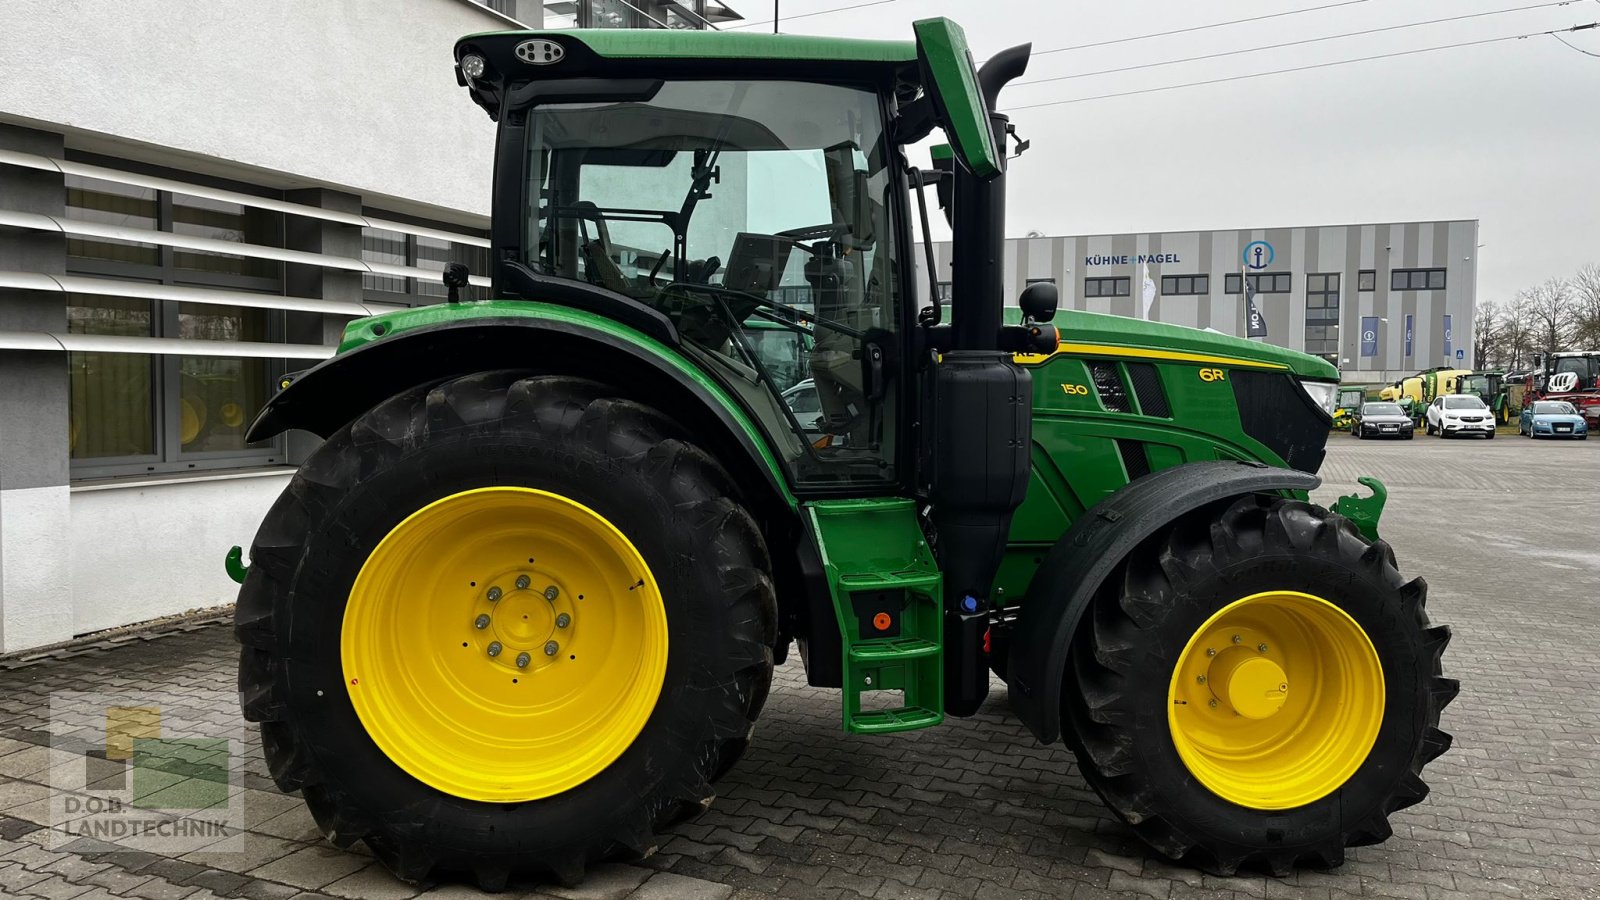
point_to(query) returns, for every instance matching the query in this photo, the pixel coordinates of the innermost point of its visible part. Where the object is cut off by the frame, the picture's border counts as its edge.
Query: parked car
(1382, 420)
(1553, 418)
(806, 406)
(1457, 414)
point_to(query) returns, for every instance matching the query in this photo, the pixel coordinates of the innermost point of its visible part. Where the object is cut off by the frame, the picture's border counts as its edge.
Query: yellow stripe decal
(1028, 359)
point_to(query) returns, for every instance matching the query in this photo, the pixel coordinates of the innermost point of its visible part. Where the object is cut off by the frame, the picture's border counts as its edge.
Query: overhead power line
(820, 12)
(1575, 46)
(1307, 68)
(1331, 37)
(1193, 28)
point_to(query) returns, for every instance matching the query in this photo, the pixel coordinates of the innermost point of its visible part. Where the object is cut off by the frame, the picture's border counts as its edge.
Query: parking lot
(1506, 532)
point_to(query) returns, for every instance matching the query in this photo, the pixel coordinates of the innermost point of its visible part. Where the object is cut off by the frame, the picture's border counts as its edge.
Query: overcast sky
(1507, 133)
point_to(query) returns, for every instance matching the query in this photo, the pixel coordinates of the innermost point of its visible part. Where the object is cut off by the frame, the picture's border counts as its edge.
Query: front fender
(542, 340)
(1075, 567)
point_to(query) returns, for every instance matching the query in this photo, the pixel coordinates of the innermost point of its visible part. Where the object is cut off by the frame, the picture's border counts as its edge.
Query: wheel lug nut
(494, 648)
(1201, 679)
(1261, 648)
(522, 582)
(1211, 651)
(494, 594)
(550, 593)
(481, 622)
(550, 648)
(1213, 703)
(523, 659)
(1236, 639)
(563, 620)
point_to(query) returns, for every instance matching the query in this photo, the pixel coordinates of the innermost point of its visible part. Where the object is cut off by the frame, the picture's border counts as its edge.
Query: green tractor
(521, 609)
(1491, 388)
(1347, 405)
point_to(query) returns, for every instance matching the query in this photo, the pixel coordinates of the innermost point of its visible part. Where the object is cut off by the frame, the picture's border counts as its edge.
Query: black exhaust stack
(982, 414)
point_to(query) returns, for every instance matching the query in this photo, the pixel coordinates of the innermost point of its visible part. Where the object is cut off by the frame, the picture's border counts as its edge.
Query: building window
(944, 292)
(1186, 284)
(135, 413)
(1322, 316)
(1107, 287)
(1261, 283)
(1416, 280)
(398, 249)
(1366, 280)
(1049, 281)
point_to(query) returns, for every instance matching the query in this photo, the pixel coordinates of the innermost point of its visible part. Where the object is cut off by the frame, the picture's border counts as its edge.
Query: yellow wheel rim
(504, 644)
(1276, 700)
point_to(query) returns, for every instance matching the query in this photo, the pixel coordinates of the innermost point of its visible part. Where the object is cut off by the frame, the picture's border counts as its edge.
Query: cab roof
(660, 43)
(511, 58)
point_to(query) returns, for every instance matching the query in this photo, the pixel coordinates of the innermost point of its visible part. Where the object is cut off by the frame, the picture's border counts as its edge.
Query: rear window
(1463, 403)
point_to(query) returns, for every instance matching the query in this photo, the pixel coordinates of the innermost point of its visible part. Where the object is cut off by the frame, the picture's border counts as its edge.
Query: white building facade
(196, 197)
(1379, 301)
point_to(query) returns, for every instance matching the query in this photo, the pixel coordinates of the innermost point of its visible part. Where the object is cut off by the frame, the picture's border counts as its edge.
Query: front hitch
(1364, 511)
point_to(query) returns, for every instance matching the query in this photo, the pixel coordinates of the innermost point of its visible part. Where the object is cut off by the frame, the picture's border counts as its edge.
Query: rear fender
(1074, 569)
(323, 399)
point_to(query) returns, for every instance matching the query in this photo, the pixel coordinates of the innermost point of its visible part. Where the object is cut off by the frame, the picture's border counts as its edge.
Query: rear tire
(1130, 651)
(566, 437)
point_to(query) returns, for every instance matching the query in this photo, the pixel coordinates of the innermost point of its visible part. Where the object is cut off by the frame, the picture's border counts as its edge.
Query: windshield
(1381, 409)
(755, 215)
(1463, 403)
(1553, 408)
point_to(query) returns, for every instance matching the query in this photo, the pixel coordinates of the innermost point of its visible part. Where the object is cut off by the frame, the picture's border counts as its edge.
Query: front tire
(1266, 576)
(407, 720)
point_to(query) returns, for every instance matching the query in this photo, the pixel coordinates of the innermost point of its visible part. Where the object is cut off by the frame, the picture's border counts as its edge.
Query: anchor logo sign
(1258, 254)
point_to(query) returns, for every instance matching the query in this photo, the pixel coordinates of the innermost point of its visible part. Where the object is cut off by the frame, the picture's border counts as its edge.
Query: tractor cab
(1490, 387)
(1574, 371)
(724, 202)
(1348, 403)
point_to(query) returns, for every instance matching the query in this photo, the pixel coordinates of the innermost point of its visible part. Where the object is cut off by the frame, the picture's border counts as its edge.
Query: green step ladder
(886, 593)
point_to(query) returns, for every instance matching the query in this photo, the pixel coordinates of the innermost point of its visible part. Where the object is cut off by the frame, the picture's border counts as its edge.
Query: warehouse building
(1378, 301)
(173, 242)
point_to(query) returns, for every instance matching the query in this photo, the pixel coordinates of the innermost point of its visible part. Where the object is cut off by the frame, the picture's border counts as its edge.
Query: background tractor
(521, 609)
(1491, 388)
(1345, 407)
(1570, 375)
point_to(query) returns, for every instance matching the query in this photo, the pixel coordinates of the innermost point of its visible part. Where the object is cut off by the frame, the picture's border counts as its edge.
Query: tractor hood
(1080, 328)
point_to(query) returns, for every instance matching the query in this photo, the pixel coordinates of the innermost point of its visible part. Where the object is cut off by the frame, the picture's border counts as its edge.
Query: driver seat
(598, 264)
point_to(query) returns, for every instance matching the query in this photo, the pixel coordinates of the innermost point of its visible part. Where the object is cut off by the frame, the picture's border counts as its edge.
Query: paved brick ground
(1506, 532)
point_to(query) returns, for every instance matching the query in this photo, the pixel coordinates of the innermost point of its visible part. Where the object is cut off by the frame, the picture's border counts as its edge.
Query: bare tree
(1586, 307)
(1514, 341)
(1550, 309)
(1485, 333)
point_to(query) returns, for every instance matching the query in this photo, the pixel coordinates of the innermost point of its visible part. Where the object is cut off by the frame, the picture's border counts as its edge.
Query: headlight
(1323, 394)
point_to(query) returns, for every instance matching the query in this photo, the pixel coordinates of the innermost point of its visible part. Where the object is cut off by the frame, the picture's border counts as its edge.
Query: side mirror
(950, 79)
(1039, 301)
(456, 277)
